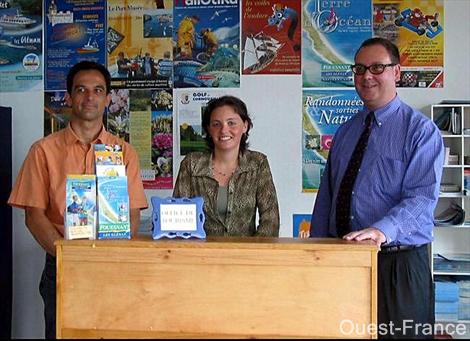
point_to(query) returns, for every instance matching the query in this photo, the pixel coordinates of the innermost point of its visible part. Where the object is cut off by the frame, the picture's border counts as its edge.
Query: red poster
(271, 37)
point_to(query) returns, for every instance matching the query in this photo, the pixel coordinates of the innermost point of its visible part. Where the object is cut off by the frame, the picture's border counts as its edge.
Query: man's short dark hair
(391, 48)
(238, 106)
(84, 66)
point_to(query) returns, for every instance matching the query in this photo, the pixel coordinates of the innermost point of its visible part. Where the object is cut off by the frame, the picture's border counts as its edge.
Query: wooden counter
(220, 287)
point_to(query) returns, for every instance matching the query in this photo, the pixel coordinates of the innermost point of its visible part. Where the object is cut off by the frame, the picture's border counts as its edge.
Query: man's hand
(371, 233)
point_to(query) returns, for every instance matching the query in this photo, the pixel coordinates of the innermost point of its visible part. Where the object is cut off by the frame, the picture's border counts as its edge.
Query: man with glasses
(381, 183)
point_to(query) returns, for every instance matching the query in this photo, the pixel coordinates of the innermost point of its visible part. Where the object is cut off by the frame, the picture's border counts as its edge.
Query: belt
(399, 248)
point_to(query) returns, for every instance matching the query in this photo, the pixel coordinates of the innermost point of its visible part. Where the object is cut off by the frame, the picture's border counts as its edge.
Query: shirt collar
(71, 137)
(383, 113)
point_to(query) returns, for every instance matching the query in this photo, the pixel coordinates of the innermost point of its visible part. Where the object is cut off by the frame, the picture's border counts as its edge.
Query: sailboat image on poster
(260, 50)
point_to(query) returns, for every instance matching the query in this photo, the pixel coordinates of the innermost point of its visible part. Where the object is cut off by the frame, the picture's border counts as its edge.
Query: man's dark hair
(86, 65)
(238, 106)
(391, 48)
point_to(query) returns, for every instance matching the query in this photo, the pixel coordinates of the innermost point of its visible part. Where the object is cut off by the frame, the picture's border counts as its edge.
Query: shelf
(451, 195)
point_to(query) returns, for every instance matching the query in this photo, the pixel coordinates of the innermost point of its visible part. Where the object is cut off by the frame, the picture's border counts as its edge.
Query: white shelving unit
(454, 241)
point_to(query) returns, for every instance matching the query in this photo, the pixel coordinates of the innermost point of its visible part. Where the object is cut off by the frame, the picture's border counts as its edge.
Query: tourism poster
(162, 140)
(74, 31)
(190, 106)
(301, 224)
(144, 118)
(417, 28)
(271, 37)
(323, 111)
(207, 44)
(332, 31)
(139, 43)
(56, 111)
(20, 45)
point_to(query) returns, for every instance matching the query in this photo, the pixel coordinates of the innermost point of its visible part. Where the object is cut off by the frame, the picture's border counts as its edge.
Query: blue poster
(323, 111)
(301, 224)
(332, 31)
(20, 45)
(74, 31)
(207, 44)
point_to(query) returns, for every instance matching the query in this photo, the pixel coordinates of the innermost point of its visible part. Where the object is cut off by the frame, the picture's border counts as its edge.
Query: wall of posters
(20, 45)
(417, 28)
(271, 37)
(331, 33)
(323, 111)
(139, 36)
(74, 31)
(207, 44)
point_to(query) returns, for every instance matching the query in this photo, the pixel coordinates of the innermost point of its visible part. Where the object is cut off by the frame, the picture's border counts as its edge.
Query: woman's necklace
(222, 173)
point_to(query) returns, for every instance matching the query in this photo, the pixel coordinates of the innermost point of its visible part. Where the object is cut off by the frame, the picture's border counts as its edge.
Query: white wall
(275, 103)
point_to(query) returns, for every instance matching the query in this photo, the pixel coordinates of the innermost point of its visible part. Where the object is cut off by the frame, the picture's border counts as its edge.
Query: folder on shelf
(453, 215)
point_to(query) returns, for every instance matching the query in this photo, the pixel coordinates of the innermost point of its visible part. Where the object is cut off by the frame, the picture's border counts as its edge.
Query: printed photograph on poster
(20, 45)
(207, 44)
(189, 105)
(56, 111)
(331, 33)
(300, 224)
(323, 111)
(74, 31)
(417, 28)
(118, 114)
(140, 44)
(271, 37)
(162, 140)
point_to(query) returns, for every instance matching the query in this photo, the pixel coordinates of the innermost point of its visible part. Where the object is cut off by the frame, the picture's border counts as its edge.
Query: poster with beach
(74, 31)
(207, 44)
(417, 28)
(139, 43)
(271, 37)
(21, 46)
(331, 33)
(323, 111)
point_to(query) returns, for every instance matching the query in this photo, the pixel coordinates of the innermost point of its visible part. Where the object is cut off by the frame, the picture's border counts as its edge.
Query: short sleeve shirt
(41, 180)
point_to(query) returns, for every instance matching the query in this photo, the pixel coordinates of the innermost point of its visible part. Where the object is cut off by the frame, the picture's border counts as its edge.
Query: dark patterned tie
(343, 200)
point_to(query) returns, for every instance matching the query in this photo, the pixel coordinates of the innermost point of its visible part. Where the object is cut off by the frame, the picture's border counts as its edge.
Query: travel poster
(74, 31)
(332, 31)
(417, 28)
(271, 37)
(190, 106)
(56, 111)
(207, 44)
(139, 43)
(20, 45)
(300, 224)
(323, 111)
(144, 118)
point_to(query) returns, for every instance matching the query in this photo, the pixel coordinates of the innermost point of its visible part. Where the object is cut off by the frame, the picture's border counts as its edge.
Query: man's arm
(135, 221)
(419, 194)
(42, 228)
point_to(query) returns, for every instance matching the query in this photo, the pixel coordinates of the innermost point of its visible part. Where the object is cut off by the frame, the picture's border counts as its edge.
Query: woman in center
(234, 181)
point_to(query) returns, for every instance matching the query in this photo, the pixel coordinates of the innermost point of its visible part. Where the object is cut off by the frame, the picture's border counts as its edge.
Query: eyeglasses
(375, 69)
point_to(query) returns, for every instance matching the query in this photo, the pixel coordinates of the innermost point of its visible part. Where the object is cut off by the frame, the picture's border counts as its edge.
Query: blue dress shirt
(397, 187)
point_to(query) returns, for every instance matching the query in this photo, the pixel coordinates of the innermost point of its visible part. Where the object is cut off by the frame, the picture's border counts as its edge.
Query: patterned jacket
(251, 187)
